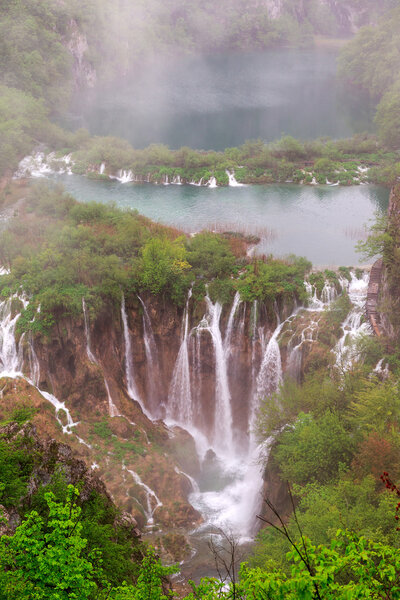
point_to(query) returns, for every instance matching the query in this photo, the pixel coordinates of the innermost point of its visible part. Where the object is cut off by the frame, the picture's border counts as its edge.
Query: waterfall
(180, 407)
(112, 409)
(353, 326)
(102, 168)
(124, 176)
(11, 364)
(229, 327)
(152, 500)
(212, 183)
(223, 439)
(295, 353)
(130, 380)
(34, 367)
(329, 293)
(193, 482)
(11, 360)
(270, 375)
(232, 180)
(153, 371)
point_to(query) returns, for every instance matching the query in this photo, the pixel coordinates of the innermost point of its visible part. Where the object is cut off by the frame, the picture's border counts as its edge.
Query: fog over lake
(222, 100)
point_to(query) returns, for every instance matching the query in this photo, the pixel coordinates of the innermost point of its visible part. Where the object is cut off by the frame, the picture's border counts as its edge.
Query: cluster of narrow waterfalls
(227, 361)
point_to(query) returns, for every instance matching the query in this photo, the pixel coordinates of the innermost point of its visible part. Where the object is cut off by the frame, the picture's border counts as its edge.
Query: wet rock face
(51, 454)
(76, 42)
(50, 457)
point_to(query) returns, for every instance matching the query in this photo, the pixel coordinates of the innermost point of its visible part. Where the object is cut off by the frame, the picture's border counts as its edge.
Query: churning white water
(179, 406)
(354, 325)
(12, 359)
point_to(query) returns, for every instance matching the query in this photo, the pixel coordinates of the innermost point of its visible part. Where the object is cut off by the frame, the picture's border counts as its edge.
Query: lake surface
(219, 101)
(320, 222)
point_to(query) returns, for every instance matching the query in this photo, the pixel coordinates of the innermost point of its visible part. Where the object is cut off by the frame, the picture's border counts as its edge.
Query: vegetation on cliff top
(346, 161)
(371, 62)
(59, 251)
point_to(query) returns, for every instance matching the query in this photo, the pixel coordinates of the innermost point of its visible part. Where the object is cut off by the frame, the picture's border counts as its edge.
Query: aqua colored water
(223, 100)
(319, 222)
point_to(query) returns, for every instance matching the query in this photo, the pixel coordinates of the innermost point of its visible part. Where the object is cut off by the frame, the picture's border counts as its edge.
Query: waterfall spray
(152, 363)
(130, 380)
(180, 406)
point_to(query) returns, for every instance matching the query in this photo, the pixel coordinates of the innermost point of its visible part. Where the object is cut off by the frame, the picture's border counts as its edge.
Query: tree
(48, 561)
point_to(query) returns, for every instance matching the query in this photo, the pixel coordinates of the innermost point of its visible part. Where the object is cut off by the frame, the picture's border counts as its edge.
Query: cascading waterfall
(222, 439)
(353, 326)
(180, 406)
(229, 326)
(10, 355)
(193, 482)
(270, 375)
(11, 360)
(153, 371)
(112, 409)
(130, 380)
(124, 176)
(34, 367)
(232, 181)
(152, 500)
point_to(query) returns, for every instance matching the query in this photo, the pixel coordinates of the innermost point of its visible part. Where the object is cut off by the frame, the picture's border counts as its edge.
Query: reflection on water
(222, 100)
(319, 222)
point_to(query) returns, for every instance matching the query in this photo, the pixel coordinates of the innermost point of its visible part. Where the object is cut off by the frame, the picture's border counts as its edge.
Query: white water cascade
(152, 500)
(152, 363)
(270, 376)
(34, 367)
(222, 437)
(123, 176)
(12, 361)
(112, 409)
(229, 326)
(180, 406)
(212, 183)
(130, 379)
(232, 181)
(353, 326)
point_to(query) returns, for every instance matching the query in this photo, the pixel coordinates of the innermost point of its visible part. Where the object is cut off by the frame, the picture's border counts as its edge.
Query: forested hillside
(49, 48)
(371, 62)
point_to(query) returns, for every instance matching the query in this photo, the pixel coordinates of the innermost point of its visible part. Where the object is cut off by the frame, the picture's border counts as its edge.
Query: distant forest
(48, 48)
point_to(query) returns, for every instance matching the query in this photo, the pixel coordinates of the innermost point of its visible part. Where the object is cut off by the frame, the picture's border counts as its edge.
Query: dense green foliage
(284, 160)
(52, 561)
(61, 251)
(335, 436)
(371, 61)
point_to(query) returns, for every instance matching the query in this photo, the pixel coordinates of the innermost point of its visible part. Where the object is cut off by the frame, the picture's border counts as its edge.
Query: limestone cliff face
(84, 74)
(348, 16)
(388, 294)
(51, 455)
(147, 466)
